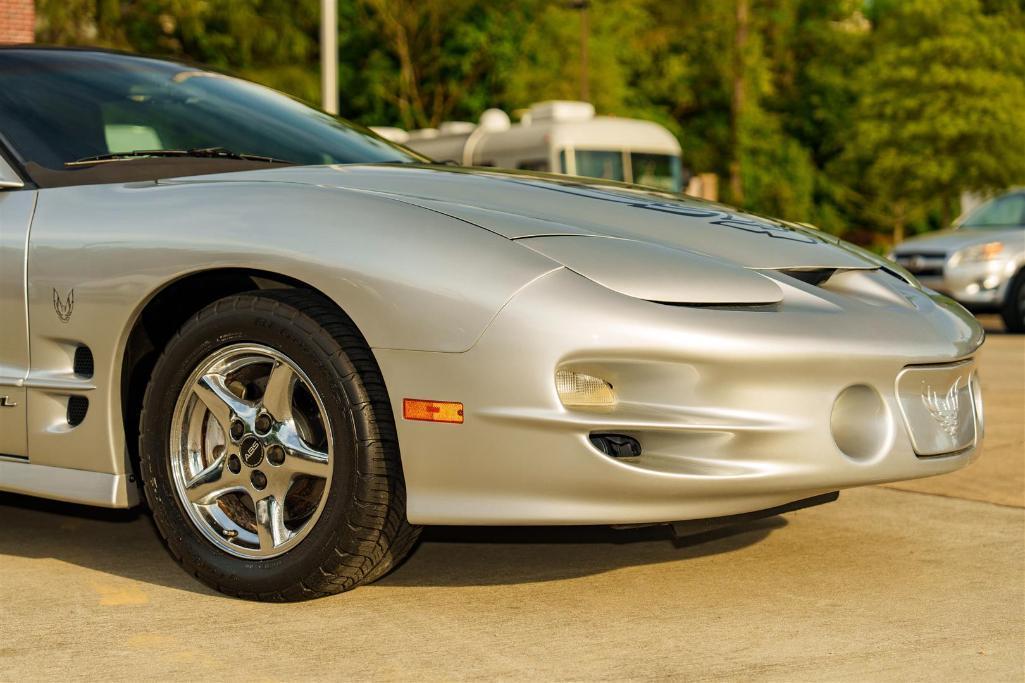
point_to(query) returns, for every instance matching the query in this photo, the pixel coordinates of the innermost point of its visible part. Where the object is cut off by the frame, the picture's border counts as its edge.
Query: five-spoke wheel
(251, 450)
(268, 450)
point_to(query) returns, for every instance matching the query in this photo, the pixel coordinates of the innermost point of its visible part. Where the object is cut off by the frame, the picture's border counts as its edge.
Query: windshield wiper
(200, 153)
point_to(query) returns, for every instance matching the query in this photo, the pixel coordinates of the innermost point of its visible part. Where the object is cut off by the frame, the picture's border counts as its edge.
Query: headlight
(982, 252)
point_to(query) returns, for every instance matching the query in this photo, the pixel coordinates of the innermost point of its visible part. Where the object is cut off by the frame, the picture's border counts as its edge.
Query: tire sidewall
(1011, 312)
(210, 331)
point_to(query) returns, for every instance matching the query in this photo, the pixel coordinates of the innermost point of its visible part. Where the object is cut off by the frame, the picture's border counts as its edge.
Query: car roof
(71, 54)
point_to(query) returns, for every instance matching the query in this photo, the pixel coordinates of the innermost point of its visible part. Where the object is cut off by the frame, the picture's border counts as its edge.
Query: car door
(16, 207)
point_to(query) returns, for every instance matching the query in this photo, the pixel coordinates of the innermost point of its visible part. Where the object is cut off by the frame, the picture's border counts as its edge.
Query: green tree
(941, 108)
(423, 61)
(858, 115)
(271, 41)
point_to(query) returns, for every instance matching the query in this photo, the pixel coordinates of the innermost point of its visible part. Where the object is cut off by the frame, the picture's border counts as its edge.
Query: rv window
(657, 170)
(594, 164)
(533, 165)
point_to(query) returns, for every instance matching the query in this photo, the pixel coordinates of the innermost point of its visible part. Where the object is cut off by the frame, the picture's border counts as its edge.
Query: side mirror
(8, 178)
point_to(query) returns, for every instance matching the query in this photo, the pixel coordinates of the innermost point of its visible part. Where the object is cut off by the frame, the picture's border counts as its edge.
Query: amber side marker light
(432, 411)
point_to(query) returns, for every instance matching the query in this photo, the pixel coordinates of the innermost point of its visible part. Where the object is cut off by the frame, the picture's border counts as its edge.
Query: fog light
(617, 445)
(860, 422)
(577, 390)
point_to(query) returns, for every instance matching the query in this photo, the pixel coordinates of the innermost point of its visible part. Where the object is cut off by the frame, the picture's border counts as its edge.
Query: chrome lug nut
(259, 480)
(263, 423)
(276, 455)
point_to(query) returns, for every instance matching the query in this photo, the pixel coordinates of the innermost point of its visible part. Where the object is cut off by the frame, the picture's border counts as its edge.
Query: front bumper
(981, 285)
(733, 407)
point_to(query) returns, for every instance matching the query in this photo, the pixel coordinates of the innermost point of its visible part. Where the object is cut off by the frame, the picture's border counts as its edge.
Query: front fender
(410, 279)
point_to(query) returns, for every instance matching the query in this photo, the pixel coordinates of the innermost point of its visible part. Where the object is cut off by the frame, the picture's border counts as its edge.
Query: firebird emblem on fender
(62, 307)
(944, 408)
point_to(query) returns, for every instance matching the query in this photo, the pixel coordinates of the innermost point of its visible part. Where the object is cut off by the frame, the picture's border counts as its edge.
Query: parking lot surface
(922, 580)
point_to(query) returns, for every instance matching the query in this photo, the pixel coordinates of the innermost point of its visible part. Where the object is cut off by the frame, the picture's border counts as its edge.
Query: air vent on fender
(78, 406)
(83, 365)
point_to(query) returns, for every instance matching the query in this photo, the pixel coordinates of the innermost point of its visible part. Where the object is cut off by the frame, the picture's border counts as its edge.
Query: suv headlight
(982, 252)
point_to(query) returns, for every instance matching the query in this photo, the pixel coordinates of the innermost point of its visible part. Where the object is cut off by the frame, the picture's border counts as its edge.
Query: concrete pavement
(884, 584)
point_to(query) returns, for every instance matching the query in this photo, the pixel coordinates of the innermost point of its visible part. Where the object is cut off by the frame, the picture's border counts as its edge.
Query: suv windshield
(59, 106)
(1007, 211)
(663, 171)
(657, 170)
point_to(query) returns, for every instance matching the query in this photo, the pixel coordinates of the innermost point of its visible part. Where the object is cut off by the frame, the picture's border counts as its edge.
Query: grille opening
(78, 406)
(83, 366)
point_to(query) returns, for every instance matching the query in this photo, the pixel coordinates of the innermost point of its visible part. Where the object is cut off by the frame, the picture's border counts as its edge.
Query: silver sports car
(305, 342)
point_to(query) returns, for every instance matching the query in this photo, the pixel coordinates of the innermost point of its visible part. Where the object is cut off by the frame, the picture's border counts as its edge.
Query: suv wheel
(1013, 311)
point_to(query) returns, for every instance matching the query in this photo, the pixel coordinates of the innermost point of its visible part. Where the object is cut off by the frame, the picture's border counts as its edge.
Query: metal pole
(585, 52)
(584, 7)
(329, 55)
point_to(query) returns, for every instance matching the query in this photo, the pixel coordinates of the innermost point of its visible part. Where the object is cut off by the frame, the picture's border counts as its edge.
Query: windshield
(59, 106)
(657, 170)
(1007, 211)
(663, 171)
(600, 164)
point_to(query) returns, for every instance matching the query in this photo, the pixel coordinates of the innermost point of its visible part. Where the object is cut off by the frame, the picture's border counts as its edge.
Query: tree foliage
(942, 107)
(863, 116)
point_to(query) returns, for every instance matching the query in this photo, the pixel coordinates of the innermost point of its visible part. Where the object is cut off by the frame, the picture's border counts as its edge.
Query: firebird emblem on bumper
(944, 409)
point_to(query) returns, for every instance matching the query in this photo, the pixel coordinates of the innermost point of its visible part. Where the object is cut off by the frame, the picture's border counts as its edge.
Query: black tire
(362, 531)
(1013, 310)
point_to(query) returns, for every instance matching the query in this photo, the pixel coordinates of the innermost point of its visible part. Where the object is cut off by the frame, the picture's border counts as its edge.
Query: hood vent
(812, 276)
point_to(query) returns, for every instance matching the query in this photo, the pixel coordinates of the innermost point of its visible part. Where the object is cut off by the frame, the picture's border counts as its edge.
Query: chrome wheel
(251, 451)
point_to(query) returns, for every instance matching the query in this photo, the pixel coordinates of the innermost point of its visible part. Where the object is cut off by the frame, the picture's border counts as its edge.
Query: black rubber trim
(142, 169)
(699, 526)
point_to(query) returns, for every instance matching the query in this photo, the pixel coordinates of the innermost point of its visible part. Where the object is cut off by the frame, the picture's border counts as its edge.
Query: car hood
(521, 206)
(948, 241)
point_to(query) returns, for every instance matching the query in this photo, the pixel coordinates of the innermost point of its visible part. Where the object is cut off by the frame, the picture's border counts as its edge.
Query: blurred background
(872, 119)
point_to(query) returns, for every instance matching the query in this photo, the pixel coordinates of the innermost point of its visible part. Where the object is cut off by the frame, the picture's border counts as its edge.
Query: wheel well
(164, 314)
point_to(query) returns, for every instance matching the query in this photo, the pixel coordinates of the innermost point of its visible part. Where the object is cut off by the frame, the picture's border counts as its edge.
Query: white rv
(558, 137)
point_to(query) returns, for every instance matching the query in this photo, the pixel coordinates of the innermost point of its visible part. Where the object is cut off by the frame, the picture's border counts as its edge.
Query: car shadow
(125, 543)
(491, 556)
